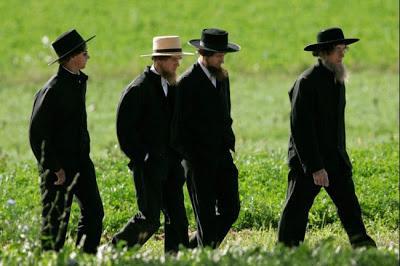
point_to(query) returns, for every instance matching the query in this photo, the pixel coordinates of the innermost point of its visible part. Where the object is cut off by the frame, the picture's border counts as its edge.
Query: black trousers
(56, 203)
(158, 184)
(213, 190)
(300, 196)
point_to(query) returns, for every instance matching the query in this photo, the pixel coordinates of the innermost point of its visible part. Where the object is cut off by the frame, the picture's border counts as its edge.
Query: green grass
(272, 35)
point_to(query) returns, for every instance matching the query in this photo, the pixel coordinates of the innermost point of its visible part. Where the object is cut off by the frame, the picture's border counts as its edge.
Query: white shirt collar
(208, 74)
(164, 82)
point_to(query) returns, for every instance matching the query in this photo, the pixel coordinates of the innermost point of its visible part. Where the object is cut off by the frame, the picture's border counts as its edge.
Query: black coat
(202, 123)
(318, 138)
(144, 117)
(58, 122)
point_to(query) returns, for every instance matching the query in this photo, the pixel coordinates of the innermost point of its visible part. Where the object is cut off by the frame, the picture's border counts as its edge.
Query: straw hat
(167, 46)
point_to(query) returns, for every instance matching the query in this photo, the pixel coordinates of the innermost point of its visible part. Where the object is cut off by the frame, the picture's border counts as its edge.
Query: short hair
(324, 50)
(206, 52)
(160, 57)
(75, 52)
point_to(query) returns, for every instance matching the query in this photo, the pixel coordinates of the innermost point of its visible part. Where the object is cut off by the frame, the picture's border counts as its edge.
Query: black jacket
(58, 128)
(144, 117)
(202, 123)
(318, 138)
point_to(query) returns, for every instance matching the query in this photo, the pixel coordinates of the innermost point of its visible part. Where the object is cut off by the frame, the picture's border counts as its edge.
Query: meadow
(272, 35)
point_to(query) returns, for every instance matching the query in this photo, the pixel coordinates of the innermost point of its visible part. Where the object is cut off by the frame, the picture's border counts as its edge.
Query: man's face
(81, 59)
(170, 64)
(215, 61)
(337, 55)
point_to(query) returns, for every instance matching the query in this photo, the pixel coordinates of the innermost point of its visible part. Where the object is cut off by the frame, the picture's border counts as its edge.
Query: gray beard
(338, 69)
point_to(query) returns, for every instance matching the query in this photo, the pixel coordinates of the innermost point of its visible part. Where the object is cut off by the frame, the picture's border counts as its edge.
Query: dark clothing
(202, 133)
(58, 130)
(318, 138)
(144, 118)
(300, 196)
(317, 142)
(57, 200)
(143, 127)
(202, 125)
(59, 139)
(213, 190)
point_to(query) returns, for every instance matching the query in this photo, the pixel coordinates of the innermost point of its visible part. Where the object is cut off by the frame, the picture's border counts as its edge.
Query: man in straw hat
(202, 133)
(143, 129)
(60, 142)
(317, 147)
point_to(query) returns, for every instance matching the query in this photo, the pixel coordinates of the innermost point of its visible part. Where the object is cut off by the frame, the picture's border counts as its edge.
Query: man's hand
(60, 177)
(321, 178)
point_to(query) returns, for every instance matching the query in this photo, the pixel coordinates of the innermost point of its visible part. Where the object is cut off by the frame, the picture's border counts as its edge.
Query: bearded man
(317, 153)
(202, 133)
(143, 129)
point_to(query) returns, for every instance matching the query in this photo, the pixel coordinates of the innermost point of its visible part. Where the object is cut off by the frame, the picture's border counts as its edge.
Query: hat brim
(231, 47)
(70, 51)
(167, 54)
(315, 46)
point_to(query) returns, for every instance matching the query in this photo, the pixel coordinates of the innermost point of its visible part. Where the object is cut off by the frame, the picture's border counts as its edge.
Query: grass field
(272, 35)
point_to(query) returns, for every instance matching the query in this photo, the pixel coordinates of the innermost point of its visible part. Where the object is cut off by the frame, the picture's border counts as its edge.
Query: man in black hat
(317, 154)
(60, 142)
(202, 133)
(143, 129)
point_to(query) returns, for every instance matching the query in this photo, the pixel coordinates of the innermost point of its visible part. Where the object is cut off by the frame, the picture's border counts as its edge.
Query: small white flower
(45, 40)
(11, 202)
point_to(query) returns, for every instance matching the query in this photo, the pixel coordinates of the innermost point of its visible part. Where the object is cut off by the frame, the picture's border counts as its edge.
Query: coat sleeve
(302, 124)
(41, 131)
(181, 127)
(230, 136)
(85, 140)
(130, 124)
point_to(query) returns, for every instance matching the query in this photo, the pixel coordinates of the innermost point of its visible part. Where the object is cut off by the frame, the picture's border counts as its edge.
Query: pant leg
(300, 196)
(90, 224)
(228, 202)
(342, 192)
(202, 189)
(176, 223)
(148, 183)
(56, 205)
(193, 237)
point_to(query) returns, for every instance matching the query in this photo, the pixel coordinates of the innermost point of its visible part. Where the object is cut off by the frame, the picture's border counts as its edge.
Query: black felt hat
(67, 43)
(330, 36)
(214, 40)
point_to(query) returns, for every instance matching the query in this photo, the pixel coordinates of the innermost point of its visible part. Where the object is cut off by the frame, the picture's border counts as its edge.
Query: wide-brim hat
(330, 36)
(215, 40)
(67, 43)
(167, 46)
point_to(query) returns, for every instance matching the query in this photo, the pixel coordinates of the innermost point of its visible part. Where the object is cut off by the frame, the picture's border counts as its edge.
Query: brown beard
(338, 69)
(170, 77)
(219, 73)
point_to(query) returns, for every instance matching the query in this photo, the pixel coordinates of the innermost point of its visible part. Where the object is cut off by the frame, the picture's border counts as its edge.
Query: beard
(338, 69)
(218, 72)
(169, 76)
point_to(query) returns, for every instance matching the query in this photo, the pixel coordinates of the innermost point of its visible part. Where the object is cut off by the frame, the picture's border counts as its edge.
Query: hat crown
(330, 34)
(215, 39)
(66, 42)
(167, 44)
